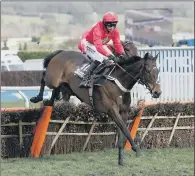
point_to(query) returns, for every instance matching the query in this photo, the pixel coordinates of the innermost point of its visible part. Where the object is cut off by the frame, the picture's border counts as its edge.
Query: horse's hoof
(36, 99)
(138, 151)
(121, 163)
(47, 103)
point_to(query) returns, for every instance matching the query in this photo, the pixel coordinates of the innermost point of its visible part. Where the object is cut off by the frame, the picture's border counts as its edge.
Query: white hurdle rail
(21, 90)
(176, 66)
(172, 59)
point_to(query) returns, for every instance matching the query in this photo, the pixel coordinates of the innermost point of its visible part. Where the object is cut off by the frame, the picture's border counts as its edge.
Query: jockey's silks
(99, 36)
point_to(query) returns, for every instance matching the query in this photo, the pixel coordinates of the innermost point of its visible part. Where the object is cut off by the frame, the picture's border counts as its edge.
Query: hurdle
(133, 127)
(40, 131)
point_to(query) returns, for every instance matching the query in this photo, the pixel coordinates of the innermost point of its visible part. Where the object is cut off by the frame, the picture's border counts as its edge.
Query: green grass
(153, 162)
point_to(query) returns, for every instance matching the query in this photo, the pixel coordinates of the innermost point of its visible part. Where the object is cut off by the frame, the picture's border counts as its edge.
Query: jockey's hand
(123, 56)
(115, 59)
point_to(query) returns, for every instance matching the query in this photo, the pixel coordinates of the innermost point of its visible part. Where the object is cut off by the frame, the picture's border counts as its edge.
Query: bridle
(143, 72)
(140, 81)
(144, 82)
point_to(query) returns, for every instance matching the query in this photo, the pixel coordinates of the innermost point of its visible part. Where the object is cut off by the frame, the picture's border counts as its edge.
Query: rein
(137, 80)
(127, 72)
(127, 42)
(142, 82)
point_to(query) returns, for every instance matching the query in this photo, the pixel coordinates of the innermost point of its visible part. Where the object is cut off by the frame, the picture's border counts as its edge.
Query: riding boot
(91, 68)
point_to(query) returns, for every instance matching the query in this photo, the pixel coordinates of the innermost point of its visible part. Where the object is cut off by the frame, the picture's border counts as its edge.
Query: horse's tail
(49, 57)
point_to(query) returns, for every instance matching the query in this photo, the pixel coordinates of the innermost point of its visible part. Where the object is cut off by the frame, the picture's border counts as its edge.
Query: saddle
(99, 75)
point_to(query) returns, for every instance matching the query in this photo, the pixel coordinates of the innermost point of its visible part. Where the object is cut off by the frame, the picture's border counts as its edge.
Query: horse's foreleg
(39, 97)
(122, 137)
(113, 112)
(124, 111)
(120, 147)
(55, 93)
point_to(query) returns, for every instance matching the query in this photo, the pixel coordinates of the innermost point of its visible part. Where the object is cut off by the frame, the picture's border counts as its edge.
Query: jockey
(93, 43)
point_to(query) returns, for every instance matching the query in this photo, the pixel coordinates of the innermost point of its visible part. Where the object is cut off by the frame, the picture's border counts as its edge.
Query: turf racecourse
(153, 162)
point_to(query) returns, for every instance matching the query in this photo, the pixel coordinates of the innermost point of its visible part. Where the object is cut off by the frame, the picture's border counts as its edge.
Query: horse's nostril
(157, 93)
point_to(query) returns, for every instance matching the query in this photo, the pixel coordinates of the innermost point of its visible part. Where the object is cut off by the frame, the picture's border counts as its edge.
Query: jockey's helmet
(110, 19)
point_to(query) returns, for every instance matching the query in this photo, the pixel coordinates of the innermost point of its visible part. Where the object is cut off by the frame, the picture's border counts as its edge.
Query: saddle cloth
(100, 74)
(80, 71)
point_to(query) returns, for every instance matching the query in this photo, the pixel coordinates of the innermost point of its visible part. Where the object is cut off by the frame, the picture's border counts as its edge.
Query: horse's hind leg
(66, 92)
(55, 93)
(39, 97)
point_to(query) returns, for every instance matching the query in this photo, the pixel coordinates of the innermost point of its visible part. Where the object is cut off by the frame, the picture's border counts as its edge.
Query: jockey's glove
(115, 59)
(123, 56)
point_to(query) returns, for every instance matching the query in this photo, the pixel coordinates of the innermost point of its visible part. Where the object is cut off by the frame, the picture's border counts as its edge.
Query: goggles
(111, 24)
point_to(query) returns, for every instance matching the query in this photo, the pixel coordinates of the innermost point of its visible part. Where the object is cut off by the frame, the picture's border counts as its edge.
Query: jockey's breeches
(90, 50)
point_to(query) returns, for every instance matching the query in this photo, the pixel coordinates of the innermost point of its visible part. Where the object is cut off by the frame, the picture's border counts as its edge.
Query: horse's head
(149, 76)
(147, 66)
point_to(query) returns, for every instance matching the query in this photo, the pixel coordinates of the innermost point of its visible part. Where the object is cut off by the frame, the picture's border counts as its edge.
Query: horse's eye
(147, 67)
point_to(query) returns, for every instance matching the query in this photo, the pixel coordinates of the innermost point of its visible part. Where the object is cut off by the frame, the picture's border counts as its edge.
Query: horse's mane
(134, 60)
(131, 62)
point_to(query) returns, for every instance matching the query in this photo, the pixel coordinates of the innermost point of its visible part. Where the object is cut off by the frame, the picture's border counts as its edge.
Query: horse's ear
(156, 56)
(146, 56)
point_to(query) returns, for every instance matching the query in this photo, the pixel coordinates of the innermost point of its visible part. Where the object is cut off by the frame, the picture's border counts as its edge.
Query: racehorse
(113, 96)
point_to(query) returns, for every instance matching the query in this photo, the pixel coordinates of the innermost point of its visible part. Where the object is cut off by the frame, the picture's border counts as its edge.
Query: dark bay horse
(113, 97)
